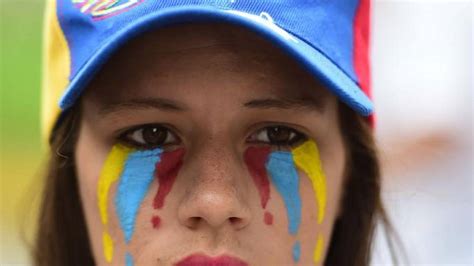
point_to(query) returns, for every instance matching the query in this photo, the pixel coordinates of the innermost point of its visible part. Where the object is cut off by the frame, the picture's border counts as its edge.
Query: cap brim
(309, 57)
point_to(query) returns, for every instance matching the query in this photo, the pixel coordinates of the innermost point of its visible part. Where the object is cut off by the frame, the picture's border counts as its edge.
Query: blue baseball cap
(330, 39)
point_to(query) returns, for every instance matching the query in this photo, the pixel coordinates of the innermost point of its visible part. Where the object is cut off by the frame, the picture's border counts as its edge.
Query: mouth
(203, 260)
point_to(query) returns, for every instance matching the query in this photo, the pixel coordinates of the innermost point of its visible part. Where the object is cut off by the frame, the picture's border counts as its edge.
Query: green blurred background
(20, 141)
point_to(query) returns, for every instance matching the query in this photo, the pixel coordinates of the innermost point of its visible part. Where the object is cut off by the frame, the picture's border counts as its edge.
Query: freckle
(156, 221)
(268, 218)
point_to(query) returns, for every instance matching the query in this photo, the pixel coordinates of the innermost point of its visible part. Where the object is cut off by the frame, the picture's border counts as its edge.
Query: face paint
(318, 251)
(268, 218)
(128, 260)
(286, 180)
(156, 221)
(282, 168)
(135, 169)
(296, 251)
(306, 157)
(166, 173)
(110, 172)
(255, 158)
(133, 186)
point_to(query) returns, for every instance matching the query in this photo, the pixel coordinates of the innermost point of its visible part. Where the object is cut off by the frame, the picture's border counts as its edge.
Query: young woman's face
(205, 145)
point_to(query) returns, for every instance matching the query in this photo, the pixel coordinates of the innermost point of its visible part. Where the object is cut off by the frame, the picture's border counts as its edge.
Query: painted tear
(110, 172)
(318, 251)
(108, 246)
(296, 251)
(255, 159)
(166, 172)
(268, 218)
(133, 186)
(286, 180)
(128, 259)
(306, 157)
(156, 221)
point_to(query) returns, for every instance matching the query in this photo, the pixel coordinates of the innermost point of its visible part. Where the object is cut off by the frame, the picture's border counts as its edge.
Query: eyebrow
(143, 103)
(169, 105)
(286, 103)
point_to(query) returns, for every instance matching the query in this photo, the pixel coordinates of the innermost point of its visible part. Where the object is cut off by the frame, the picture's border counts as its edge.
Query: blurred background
(423, 82)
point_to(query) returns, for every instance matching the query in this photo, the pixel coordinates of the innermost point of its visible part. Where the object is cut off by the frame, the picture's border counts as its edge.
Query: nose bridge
(216, 194)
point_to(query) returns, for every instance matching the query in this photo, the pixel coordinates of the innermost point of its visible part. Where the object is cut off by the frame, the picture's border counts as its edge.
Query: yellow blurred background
(422, 80)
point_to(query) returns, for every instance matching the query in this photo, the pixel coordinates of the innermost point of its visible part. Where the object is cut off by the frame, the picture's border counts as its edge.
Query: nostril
(237, 222)
(192, 222)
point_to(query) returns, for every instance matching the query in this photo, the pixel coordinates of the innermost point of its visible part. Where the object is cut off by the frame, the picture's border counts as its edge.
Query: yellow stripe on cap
(56, 69)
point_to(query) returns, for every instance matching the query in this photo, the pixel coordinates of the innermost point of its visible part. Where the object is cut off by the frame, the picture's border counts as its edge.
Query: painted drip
(128, 259)
(318, 251)
(286, 180)
(268, 218)
(296, 251)
(255, 158)
(166, 172)
(133, 186)
(156, 222)
(307, 158)
(110, 173)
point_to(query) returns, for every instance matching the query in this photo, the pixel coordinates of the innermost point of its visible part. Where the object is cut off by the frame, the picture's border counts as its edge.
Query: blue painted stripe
(128, 259)
(296, 251)
(133, 186)
(282, 170)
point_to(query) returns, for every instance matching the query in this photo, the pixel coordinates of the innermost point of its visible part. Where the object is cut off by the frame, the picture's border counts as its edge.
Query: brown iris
(279, 135)
(154, 135)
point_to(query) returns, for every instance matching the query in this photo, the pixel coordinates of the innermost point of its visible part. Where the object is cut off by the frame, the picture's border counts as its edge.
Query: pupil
(279, 134)
(154, 135)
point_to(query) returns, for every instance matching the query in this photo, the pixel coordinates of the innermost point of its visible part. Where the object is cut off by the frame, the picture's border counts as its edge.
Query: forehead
(205, 58)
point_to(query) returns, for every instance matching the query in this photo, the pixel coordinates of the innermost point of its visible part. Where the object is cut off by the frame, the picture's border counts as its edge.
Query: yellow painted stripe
(108, 246)
(306, 157)
(318, 251)
(110, 173)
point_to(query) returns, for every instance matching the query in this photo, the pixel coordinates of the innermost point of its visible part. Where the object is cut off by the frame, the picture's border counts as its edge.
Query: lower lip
(201, 260)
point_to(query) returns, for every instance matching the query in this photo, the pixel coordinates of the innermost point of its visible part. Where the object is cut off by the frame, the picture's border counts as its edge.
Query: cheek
(307, 159)
(134, 171)
(281, 168)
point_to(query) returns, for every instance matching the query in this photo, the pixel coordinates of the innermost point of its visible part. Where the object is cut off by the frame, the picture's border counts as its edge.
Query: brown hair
(62, 237)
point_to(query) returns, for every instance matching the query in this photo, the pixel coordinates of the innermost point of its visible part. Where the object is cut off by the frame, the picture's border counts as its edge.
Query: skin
(214, 207)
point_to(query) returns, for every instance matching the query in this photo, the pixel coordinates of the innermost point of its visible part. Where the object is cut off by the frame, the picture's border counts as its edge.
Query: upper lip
(204, 260)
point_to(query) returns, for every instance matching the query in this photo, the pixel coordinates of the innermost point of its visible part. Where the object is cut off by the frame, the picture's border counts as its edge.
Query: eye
(148, 137)
(278, 136)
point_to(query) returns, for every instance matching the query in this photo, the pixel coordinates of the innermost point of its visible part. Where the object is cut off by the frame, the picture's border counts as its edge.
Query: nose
(216, 196)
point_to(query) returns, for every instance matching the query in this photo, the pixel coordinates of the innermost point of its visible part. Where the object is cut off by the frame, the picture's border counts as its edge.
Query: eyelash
(125, 137)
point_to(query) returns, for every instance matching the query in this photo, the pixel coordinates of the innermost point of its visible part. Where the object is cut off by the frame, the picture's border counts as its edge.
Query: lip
(203, 260)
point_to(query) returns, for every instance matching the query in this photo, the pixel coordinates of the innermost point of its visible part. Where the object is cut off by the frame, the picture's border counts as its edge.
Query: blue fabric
(137, 176)
(322, 33)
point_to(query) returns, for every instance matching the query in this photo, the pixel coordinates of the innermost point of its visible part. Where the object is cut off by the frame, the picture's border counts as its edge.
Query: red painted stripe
(268, 218)
(256, 158)
(362, 48)
(166, 172)
(156, 221)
